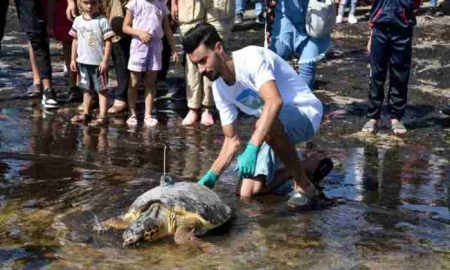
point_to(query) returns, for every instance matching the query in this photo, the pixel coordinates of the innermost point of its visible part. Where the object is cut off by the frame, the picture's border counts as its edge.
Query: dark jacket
(398, 13)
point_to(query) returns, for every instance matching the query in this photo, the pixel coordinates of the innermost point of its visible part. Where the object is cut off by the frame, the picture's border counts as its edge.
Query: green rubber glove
(247, 161)
(209, 179)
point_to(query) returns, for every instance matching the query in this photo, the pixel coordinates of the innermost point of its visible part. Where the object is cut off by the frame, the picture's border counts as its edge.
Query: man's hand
(103, 67)
(209, 179)
(144, 36)
(73, 66)
(71, 10)
(247, 161)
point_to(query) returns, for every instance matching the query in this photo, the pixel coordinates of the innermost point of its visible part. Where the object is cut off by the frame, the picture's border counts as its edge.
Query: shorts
(145, 56)
(91, 79)
(298, 128)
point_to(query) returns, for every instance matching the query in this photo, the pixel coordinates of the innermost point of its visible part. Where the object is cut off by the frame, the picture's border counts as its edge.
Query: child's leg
(102, 103)
(87, 99)
(399, 69)
(379, 59)
(150, 92)
(353, 7)
(132, 91)
(341, 9)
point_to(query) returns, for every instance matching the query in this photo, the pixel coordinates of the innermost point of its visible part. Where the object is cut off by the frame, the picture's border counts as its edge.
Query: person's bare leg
(250, 187)
(132, 92)
(150, 91)
(34, 67)
(102, 103)
(286, 152)
(87, 99)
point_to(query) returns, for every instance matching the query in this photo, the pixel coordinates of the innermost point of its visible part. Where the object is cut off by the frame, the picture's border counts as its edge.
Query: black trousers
(3, 10)
(390, 50)
(120, 54)
(166, 54)
(34, 25)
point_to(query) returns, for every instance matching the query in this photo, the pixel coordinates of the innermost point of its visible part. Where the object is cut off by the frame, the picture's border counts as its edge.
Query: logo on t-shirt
(250, 99)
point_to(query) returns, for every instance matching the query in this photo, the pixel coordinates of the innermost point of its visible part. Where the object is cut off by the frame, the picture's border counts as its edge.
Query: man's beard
(212, 76)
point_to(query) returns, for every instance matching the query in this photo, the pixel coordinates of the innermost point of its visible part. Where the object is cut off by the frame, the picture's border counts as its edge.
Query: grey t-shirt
(91, 35)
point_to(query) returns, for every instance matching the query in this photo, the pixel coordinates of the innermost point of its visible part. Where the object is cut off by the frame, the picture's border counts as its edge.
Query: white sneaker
(49, 99)
(352, 19)
(338, 19)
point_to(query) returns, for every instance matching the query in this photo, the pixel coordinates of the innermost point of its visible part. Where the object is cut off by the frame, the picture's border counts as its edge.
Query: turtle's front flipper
(184, 235)
(112, 223)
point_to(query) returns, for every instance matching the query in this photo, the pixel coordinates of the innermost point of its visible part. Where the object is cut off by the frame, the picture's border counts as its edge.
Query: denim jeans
(342, 5)
(289, 36)
(433, 3)
(242, 4)
(299, 129)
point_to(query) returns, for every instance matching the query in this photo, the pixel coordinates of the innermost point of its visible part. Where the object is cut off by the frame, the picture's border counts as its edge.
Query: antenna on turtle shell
(164, 161)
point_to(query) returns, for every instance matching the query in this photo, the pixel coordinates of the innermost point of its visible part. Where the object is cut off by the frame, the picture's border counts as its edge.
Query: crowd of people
(138, 36)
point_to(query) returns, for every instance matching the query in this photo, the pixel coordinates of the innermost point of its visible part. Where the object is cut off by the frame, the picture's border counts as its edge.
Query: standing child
(390, 47)
(351, 15)
(91, 47)
(147, 22)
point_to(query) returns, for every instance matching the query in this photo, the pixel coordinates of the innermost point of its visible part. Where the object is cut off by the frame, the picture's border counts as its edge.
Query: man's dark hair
(202, 33)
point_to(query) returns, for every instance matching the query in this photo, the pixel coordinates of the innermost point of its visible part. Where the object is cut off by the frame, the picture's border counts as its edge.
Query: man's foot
(352, 19)
(34, 91)
(239, 18)
(49, 99)
(260, 19)
(398, 128)
(190, 118)
(118, 106)
(370, 127)
(207, 118)
(75, 94)
(150, 122)
(338, 19)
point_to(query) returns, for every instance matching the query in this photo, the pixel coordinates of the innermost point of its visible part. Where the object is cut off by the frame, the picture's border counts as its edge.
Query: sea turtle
(182, 209)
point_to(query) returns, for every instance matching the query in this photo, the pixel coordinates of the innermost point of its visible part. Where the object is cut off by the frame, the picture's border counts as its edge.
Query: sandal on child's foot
(132, 121)
(398, 128)
(100, 121)
(150, 122)
(81, 118)
(370, 127)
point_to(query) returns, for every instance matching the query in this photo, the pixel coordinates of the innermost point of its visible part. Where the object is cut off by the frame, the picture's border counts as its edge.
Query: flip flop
(398, 126)
(369, 127)
(323, 169)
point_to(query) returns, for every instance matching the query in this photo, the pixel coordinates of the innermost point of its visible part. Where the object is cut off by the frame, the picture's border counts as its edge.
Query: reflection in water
(55, 177)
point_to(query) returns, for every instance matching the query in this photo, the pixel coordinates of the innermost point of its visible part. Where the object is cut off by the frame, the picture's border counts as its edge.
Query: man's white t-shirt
(253, 67)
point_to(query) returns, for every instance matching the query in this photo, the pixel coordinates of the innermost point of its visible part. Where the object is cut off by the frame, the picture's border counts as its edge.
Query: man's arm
(229, 149)
(71, 10)
(272, 105)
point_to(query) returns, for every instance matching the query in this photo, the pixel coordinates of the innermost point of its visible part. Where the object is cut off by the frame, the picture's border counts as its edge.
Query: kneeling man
(260, 83)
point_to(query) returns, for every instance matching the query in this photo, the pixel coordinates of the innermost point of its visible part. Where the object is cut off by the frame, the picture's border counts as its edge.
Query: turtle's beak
(130, 237)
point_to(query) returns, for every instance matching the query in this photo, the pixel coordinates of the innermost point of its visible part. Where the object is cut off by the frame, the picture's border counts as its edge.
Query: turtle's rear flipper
(185, 236)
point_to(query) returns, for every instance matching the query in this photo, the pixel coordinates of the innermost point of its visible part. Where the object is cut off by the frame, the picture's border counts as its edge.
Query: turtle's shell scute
(187, 196)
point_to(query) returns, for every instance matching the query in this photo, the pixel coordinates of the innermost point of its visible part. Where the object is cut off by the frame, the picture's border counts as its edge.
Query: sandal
(132, 121)
(150, 122)
(370, 127)
(100, 121)
(115, 109)
(398, 128)
(81, 118)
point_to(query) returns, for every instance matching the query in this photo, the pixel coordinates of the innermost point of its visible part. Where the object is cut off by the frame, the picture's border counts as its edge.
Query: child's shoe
(132, 121)
(338, 19)
(352, 19)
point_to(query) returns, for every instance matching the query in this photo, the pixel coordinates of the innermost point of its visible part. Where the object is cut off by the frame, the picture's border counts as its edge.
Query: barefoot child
(147, 22)
(91, 48)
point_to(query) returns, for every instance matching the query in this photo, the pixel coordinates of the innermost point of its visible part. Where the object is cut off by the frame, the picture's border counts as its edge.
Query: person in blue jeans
(259, 11)
(288, 36)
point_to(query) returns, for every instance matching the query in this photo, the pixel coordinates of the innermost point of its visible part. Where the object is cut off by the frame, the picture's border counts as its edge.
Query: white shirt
(91, 35)
(253, 67)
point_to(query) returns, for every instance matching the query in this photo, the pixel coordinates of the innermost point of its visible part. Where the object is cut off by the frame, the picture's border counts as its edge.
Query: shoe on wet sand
(34, 91)
(49, 99)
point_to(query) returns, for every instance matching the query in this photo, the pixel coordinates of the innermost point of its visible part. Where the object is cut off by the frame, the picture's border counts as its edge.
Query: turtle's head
(149, 226)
